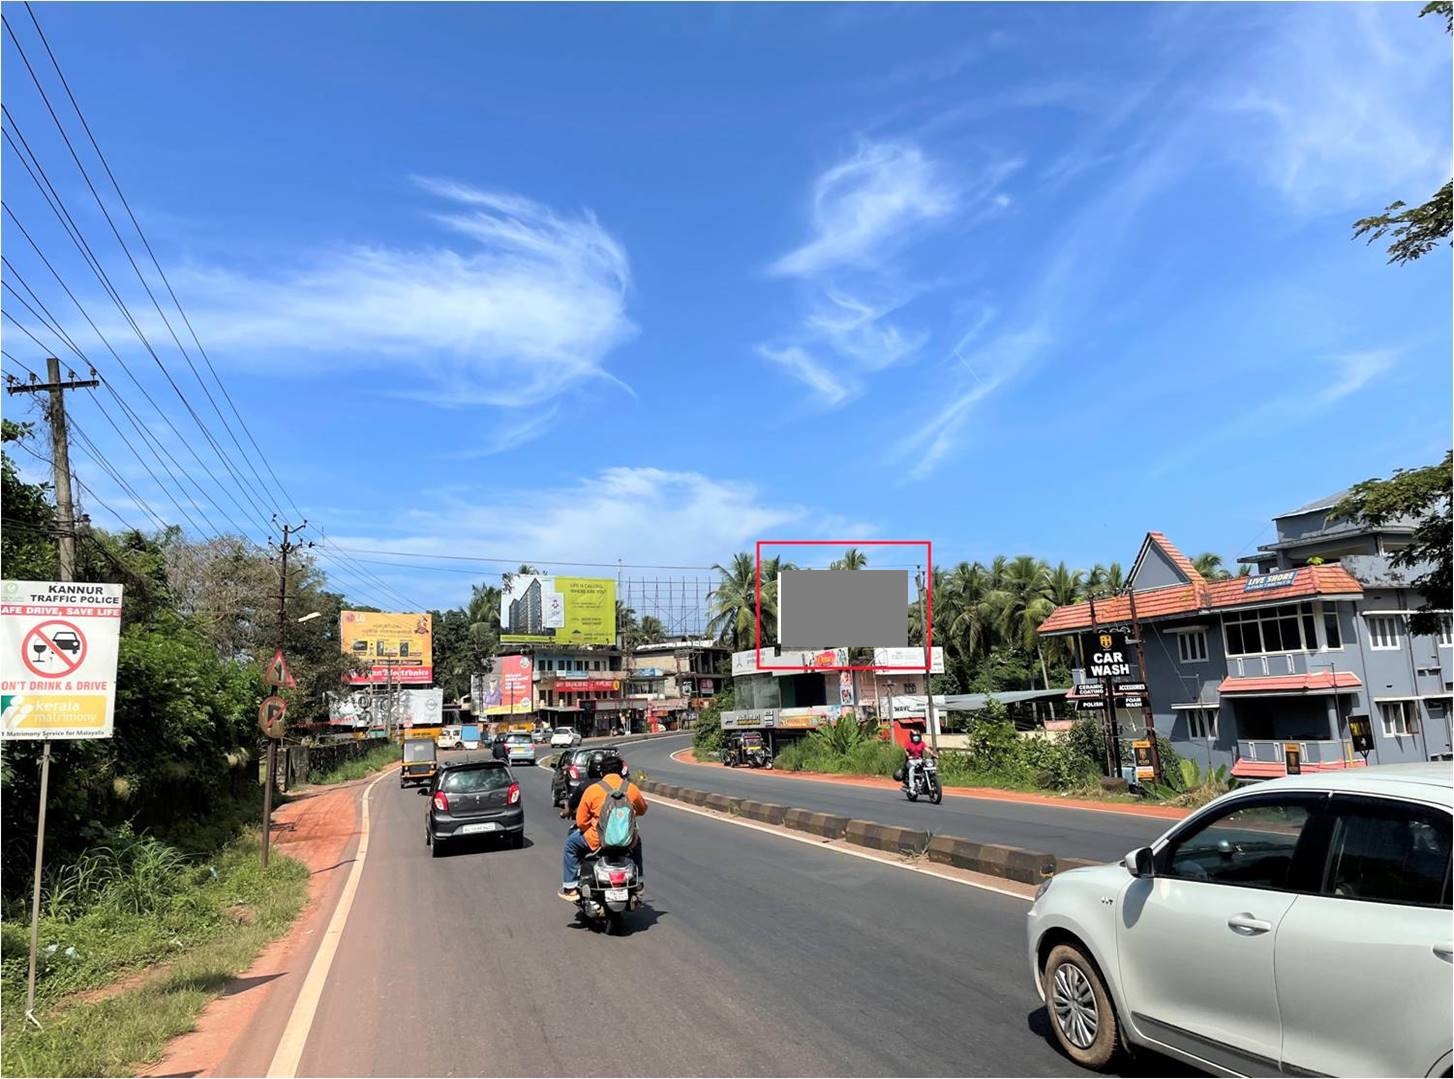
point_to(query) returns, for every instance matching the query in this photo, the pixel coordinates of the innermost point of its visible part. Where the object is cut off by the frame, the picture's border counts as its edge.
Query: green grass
(140, 905)
(375, 760)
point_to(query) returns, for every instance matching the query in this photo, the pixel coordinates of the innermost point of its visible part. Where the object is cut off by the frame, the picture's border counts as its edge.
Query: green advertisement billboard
(557, 610)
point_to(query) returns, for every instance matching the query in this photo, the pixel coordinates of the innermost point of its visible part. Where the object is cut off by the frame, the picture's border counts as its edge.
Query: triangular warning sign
(278, 674)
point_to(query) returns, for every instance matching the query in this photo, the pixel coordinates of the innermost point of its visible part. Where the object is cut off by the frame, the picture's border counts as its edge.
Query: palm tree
(771, 568)
(852, 558)
(1065, 585)
(483, 615)
(1104, 580)
(1025, 602)
(651, 630)
(968, 611)
(628, 632)
(732, 602)
(1209, 565)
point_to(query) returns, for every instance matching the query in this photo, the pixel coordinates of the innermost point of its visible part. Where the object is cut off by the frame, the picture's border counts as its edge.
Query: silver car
(519, 747)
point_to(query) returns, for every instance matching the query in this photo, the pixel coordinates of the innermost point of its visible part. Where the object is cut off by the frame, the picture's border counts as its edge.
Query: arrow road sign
(278, 673)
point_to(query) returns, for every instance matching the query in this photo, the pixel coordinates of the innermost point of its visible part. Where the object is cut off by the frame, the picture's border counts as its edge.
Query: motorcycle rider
(604, 770)
(916, 750)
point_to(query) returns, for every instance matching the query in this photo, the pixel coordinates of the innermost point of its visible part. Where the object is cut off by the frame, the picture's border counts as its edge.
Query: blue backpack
(617, 826)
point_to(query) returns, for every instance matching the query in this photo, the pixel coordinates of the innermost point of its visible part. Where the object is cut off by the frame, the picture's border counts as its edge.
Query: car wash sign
(58, 646)
(1107, 655)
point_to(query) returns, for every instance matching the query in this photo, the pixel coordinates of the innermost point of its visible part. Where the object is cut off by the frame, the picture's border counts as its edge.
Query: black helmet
(603, 762)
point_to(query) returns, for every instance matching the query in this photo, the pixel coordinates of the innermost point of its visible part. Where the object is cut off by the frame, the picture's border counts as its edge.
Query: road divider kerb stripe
(822, 844)
(289, 1053)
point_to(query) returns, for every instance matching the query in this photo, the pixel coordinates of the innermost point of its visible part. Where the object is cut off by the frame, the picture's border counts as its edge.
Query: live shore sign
(58, 646)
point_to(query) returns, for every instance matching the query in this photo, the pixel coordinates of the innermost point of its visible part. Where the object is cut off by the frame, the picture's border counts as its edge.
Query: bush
(707, 734)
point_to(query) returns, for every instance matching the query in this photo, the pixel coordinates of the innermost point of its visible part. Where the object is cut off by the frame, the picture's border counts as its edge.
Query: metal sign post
(35, 891)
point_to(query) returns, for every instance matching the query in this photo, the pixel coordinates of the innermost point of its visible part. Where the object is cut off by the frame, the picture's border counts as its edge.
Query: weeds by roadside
(375, 760)
(132, 904)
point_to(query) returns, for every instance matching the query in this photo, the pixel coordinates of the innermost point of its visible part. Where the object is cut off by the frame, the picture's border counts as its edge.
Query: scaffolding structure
(680, 604)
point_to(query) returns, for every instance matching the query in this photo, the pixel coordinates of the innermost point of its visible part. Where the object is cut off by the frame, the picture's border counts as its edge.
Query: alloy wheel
(1074, 1003)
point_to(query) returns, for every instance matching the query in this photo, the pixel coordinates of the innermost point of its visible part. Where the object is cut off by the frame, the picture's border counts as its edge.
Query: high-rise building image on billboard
(557, 610)
(527, 614)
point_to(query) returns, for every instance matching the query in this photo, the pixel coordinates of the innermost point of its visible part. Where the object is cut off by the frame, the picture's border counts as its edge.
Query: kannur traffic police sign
(58, 647)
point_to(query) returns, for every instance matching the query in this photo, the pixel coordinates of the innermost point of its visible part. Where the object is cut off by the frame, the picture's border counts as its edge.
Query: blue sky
(649, 283)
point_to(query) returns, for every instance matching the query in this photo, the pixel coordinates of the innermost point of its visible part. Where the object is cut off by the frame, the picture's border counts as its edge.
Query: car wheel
(517, 841)
(436, 848)
(1082, 1017)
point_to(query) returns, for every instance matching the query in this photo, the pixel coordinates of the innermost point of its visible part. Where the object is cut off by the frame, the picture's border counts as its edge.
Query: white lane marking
(822, 844)
(289, 1053)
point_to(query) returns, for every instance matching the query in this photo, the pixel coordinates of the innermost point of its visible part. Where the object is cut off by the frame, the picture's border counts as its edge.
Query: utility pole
(928, 660)
(286, 548)
(1146, 713)
(66, 563)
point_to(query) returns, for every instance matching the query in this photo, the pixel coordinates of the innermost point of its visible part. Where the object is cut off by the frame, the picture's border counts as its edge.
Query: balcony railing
(1328, 751)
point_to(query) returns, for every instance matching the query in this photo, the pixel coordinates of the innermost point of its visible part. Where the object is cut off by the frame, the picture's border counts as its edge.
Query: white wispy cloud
(1354, 370)
(867, 205)
(798, 362)
(525, 305)
(1340, 120)
(856, 328)
(508, 436)
(646, 515)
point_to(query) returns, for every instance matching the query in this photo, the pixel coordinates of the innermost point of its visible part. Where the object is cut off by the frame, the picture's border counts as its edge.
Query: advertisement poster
(507, 690)
(397, 647)
(557, 610)
(58, 649)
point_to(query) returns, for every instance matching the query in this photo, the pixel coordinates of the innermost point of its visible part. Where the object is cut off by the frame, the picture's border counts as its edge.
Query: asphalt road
(1072, 833)
(758, 955)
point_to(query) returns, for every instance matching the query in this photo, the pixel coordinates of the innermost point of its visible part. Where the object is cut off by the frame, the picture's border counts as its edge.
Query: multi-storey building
(1296, 654)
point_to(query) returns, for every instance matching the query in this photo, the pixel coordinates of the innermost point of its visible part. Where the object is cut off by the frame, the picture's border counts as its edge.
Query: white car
(1299, 926)
(519, 747)
(565, 736)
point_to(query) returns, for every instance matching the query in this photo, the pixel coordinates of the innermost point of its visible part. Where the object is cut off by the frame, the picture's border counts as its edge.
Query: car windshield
(518, 736)
(474, 780)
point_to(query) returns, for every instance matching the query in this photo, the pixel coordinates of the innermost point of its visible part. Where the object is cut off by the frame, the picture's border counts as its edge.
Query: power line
(105, 164)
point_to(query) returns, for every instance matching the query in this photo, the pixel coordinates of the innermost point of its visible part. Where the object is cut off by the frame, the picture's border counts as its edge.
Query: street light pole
(933, 717)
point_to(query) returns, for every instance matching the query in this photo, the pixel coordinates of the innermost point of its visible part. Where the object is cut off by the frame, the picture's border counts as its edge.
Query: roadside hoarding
(419, 708)
(536, 609)
(589, 685)
(397, 647)
(507, 690)
(58, 649)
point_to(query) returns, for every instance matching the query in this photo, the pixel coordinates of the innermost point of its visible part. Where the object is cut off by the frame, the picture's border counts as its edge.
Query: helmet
(603, 762)
(915, 736)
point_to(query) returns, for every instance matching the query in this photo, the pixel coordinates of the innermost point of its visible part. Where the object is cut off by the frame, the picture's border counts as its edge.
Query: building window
(1202, 723)
(1290, 627)
(1383, 635)
(1191, 645)
(1332, 631)
(1399, 717)
(1445, 634)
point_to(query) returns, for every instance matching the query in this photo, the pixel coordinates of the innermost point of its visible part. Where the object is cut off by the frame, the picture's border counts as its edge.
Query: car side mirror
(1141, 863)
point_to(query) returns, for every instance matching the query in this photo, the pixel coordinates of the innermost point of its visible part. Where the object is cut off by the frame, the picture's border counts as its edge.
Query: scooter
(923, 780)
(609, 888)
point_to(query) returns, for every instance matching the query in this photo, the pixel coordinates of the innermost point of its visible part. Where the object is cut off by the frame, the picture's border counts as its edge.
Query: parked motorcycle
(923, 779)
(609, 889)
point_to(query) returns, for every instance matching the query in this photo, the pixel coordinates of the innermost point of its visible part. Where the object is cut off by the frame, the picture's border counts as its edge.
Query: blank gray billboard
(863, 608)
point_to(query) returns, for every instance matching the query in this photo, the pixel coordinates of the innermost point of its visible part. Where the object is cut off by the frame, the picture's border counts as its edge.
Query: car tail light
(575, 773)
(441, 801)
(513, 795)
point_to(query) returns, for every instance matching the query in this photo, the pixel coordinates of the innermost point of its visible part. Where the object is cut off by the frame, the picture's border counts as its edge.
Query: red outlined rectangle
(928, 546)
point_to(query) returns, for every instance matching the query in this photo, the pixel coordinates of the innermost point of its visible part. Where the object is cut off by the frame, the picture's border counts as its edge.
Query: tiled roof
(1181, 561)
(1176, 600)
(1290, 683)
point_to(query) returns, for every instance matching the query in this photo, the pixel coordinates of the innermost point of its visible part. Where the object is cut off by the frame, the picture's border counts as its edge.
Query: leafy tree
(1415, 230)
(27, 544)
(1424, 495)
(733, 602)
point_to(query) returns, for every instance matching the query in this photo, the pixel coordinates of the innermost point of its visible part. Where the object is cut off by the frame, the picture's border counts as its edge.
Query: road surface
(1067, 832)
(758, 956)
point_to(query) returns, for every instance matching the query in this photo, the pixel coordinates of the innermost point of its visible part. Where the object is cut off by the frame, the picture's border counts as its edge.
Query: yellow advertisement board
(397, 647)
(557, 610)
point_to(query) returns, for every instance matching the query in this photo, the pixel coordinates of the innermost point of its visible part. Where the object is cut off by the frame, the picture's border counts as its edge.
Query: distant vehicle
(747, 750)
(538, 735)
(419, 765)
(497, 746)
(519, 747)
(474, 798)
(565, 736)
(1301, 925)
(570, 771)
(461, 736)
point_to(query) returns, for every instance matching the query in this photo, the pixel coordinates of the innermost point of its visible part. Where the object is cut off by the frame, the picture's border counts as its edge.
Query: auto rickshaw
(419, 763)
(748, 750)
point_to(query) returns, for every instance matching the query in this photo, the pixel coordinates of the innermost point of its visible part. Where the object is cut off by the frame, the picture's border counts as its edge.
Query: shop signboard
(911, 659)
(1107, 654)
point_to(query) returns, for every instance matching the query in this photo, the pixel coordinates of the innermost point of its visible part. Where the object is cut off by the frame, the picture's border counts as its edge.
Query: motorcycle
(609, 888)
(923, 780)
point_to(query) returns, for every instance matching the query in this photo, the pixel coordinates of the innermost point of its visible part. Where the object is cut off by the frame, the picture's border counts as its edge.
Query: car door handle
(1444, 952)
(1248, 926)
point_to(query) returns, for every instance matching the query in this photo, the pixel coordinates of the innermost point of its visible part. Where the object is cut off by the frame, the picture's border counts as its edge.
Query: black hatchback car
(474, 799)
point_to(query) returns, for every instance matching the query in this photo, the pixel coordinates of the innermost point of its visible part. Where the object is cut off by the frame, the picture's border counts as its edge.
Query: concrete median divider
(721, 803)
(888, 837)
(992, 859)
(690, 796)
(767, 812)
(827, 825)
(1062, 864)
